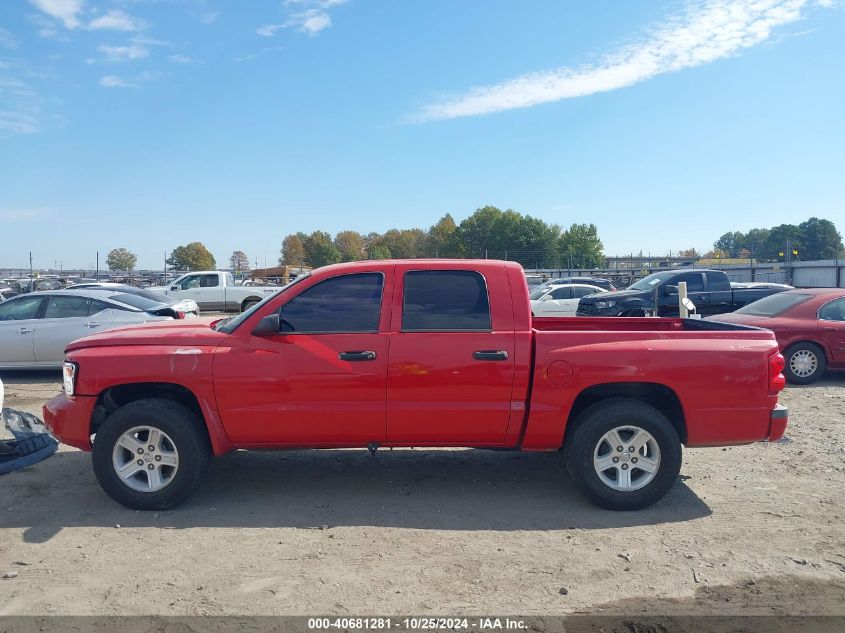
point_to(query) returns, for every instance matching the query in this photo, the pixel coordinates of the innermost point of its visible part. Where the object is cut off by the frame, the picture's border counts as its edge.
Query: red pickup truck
(415, 353)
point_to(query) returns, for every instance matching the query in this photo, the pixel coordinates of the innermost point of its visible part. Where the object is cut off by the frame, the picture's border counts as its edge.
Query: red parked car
(809, 325)
(415, 353)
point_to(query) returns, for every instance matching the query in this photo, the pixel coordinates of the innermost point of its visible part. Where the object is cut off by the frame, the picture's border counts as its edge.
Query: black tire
(248, 303)
(592, 425)
(633, 312)
(188, 438)
(808, 350)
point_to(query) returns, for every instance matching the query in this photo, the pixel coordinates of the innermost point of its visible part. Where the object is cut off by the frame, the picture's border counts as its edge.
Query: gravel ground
(754, 530)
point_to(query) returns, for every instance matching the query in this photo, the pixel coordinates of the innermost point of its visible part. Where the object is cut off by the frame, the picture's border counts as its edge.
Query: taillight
(180, 314)
(776, 380)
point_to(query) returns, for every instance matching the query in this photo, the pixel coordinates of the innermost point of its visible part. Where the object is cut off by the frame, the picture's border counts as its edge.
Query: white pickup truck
(216, 290)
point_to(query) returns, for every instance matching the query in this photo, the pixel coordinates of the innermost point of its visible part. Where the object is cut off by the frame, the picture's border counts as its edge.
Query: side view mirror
(670, 290)
(174, 287)
(268, 326)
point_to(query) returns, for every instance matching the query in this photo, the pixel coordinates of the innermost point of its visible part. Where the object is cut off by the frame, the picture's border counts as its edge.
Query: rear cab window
(445, 301)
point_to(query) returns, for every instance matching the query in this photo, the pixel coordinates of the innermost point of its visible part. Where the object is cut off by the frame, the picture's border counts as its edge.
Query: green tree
(755, 243)
(820, 239)
(779, 237)
(442, 239)
(350, 245)
(193, 256)
(403, 243)
(239, 263)
(379, 251)
(293, 250)
(477, 231)
(582, 242)
(320, 249)
(731, 243)
(121, 259)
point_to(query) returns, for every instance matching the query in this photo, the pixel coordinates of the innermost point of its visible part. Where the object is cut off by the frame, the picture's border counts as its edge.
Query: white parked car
(216, 290)
(35, 328)
(562, 301)
(187, 306)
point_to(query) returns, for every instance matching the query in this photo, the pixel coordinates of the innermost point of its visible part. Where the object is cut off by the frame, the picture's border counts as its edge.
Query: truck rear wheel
(150, 454)
(248, 303)
(805, 363)
(623, 454)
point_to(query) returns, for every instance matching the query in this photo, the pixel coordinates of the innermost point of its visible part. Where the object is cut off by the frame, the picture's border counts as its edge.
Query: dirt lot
(755, 529)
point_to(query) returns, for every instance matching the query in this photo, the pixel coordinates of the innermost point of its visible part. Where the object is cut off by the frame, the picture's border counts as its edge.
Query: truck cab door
(720, 294)
(321, 380)
(832, 329)
(451, 370)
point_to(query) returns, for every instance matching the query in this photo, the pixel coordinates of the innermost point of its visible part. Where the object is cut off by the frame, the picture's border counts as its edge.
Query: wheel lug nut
(150, 466)
(140, 462)
(624, 466)
(634, 461)
(630, 449)
(158, 458)
(619, 448)
(615, 460)
(140, 451)
(151, 447)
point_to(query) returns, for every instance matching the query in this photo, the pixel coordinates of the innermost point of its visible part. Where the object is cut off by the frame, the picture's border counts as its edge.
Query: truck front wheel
(623, 454)
(150, 454)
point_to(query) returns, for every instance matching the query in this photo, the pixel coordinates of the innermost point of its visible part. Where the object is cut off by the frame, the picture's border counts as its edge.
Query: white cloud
(7, 40)
(66, 11)
(20, 104)
(23, 215)
(709, 30)
(311, 22)
(123, 53)
(116, 20)
(311, 18)
(209, 17)
(182, 59)
(269, 30)
(113, 81)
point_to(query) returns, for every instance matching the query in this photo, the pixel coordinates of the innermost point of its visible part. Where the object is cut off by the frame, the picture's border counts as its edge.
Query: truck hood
(188, 332)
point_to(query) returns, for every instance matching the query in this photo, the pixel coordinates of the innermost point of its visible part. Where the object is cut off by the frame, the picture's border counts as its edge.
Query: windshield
(233, 323)
(648, 283)
(773, 305)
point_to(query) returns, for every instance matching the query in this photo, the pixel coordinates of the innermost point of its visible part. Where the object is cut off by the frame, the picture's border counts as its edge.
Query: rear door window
(695, 282)
(445, 301)
(833, 311)
(67, 307)
(565, 292)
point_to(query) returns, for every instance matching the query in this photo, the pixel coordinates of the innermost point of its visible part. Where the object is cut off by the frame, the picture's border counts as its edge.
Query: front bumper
(69, 419)
(778, 422)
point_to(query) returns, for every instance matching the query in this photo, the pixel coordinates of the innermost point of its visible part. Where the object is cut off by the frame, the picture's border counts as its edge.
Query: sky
(147, 124)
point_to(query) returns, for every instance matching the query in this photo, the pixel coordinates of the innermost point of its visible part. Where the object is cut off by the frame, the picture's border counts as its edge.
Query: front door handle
(92, 324)
(365, 355)
(25, 330)
(830, 329)
(490, 354)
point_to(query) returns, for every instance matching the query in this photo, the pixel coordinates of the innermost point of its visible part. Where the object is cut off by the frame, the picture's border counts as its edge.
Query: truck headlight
(69, 377)
(601, 305)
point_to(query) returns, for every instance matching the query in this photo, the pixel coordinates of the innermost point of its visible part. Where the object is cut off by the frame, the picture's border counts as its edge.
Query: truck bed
(633, 324)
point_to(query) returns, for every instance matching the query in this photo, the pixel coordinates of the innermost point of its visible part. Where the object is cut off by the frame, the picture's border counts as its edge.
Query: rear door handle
(366, 355)
(830, 329)
(25, 330)
(490, 354)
